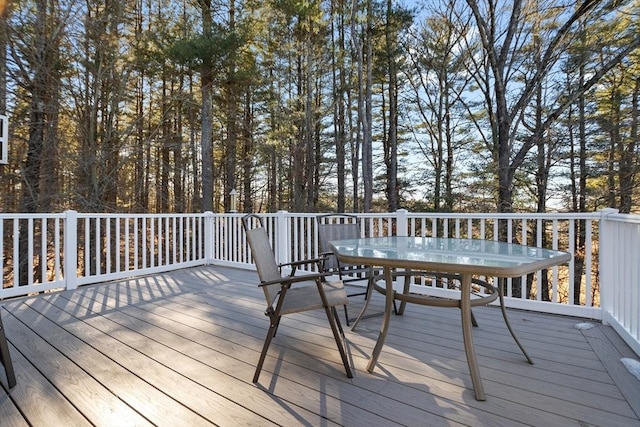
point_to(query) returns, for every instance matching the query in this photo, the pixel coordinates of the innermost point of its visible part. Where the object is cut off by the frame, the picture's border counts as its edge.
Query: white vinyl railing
(45, 252)
(552, 291)
(620, 274)
(31, 246)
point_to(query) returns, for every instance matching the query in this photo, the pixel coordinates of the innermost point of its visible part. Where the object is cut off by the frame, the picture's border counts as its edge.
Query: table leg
(367, 300)
(388, 305)
(465, 309)
(405, 290)
(506, 321)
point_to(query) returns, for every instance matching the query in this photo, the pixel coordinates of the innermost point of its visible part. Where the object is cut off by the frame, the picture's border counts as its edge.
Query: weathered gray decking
(180, 348)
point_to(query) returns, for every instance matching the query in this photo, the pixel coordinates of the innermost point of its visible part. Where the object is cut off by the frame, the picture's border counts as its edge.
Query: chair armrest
(296, 264)
(303, 262)
(293, 279)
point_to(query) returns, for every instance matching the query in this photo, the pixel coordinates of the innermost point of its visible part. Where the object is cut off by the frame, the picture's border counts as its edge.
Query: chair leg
(267, 342)
(275, 326)
(338, 323)
(346, 315)
(5, 357)
(336, 327)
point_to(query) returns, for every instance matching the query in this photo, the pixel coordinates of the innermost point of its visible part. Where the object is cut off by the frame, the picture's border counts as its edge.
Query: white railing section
(552, 291)
(620, 275)
(44, 252)
(295, 237)
(31, 248)
(113, 246)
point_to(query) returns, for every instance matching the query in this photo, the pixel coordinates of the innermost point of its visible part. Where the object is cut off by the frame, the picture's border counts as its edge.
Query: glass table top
(445, 254)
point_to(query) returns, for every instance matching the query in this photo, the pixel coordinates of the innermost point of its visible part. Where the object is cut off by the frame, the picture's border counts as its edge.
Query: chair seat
(303, 297)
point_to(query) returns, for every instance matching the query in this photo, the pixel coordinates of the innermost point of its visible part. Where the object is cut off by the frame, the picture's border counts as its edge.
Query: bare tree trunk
(309, 125)
(162, 193)
(247, 152)
(231, 148)
(391, 151)
(196, 160)
(339, 89)
(178, 159)
(614, 138)
(449, 159)
(367, 131)
(628, 163)
(360, 45)
(207, 114)
(317, 148)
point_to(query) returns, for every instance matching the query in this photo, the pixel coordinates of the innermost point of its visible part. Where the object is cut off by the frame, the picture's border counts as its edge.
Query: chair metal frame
(290, 293)
(340, 226)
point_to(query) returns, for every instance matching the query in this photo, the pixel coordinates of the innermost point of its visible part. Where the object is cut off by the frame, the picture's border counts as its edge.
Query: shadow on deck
(179, 349)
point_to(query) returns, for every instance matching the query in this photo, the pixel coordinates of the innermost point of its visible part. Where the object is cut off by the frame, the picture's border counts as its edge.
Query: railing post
(282, 238)
(209, 237)
(402, 223)
(71, 249)
(606, 256)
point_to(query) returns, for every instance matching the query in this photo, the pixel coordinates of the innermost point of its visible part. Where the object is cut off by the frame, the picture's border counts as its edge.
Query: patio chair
(345, 227)
(5, 357)
(292, 293)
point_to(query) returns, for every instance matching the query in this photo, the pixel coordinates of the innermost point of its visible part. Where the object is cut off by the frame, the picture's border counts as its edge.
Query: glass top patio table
(463, 257)
(481, 257)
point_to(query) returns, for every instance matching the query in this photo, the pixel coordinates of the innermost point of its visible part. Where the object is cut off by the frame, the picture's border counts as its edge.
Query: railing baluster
(572, 249)
(127, 242)
(56, 250)
(588, 260)
(118, 243)
(98, 248)
(43, 250)
(107, 245)
(158, 240)
(30, 251)
(174, 239)
(539, 273)
(555, 267)
(16, 252)
(166, 236)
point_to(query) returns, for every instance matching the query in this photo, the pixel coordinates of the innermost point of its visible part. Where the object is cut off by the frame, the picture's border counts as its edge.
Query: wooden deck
(180, 348)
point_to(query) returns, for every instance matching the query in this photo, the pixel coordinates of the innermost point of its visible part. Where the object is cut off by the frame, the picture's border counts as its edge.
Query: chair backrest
(335, 227)
(263, 255)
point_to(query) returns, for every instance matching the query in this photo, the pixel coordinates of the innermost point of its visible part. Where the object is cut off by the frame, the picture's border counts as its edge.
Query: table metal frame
(351, 251)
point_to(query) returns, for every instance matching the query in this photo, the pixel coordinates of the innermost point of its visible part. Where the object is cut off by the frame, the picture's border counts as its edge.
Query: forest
(320, 105)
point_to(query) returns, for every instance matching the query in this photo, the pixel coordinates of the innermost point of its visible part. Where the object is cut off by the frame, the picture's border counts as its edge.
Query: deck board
(179, 349)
